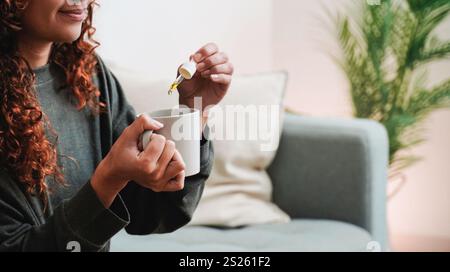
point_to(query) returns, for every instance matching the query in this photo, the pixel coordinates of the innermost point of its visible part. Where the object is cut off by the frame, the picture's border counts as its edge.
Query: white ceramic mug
(182, 126)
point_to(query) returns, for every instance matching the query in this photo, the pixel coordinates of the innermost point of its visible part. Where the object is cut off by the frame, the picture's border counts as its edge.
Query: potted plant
(385, 57)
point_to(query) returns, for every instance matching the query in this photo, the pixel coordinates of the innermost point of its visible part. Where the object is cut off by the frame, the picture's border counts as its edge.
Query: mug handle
(144, 139)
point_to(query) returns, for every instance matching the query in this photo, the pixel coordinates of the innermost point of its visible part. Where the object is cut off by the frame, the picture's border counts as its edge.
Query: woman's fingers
(153, 150)
(175, 184)
(175, 166)
(211, 61)
(142, 123)
(213, 64)
(162, 165)
(166, 156)
(221, 78)
(226, 68)
(206, 51)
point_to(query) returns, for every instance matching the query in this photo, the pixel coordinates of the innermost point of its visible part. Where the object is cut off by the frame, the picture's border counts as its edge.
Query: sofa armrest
(333, 169)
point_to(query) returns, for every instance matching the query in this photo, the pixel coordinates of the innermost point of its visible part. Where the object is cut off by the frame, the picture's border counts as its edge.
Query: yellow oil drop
(173, 87)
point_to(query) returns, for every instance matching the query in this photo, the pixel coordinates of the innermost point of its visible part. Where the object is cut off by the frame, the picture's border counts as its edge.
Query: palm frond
(425, 101)
(437, 52)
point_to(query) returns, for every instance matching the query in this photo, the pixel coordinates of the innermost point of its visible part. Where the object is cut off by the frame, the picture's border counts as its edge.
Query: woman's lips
(76, 15)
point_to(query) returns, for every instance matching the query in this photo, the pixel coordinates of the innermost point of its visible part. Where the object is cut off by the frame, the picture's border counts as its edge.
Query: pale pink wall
(302, 41)
(318, 87)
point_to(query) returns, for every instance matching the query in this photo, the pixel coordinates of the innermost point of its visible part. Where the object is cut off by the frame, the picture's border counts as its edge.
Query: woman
(70, 169)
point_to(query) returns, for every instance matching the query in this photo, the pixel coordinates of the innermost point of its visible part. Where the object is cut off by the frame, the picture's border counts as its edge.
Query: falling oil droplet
(173, 87)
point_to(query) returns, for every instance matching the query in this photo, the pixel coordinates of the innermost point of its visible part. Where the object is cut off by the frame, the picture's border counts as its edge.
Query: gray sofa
(329, 175)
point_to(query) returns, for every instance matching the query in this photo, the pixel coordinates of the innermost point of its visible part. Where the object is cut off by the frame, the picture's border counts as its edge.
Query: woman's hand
(212, 79)
(159, 167)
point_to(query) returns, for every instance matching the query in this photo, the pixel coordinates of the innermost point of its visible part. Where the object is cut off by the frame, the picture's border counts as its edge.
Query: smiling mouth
(76, 15)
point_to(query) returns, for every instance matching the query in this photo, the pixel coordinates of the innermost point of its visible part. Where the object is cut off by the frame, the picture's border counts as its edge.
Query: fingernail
(158, 124)
(214, 76)
(198, 57)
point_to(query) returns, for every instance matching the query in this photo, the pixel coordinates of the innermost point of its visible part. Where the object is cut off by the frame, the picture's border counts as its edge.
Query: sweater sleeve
(152, 212)
(81, 223)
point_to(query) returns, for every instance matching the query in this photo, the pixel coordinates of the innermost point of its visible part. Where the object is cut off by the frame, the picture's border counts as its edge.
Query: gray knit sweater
(75, 215)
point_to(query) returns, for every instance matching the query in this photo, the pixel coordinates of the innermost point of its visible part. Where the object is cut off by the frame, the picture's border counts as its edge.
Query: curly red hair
(25, 152)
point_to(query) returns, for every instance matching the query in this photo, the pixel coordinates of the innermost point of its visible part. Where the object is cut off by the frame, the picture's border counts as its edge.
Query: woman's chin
(69, 36)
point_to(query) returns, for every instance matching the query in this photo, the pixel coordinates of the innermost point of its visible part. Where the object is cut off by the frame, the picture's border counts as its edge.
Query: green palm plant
(385, 58)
